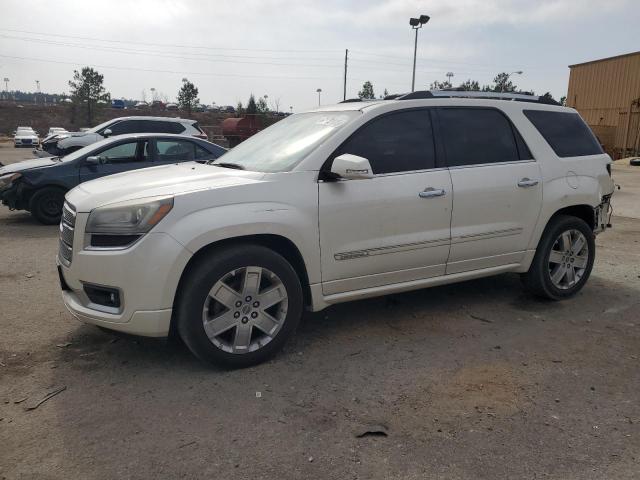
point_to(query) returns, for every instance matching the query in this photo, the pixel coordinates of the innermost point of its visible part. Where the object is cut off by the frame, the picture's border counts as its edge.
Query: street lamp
(37, 91)
(319, 92)
(450, 75)
(416, 23)
(6, 86)
(517, 72)
(153, 94)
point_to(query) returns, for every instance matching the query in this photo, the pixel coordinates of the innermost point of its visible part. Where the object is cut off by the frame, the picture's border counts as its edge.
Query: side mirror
(107, 133)
(351, 167)
(92, 160)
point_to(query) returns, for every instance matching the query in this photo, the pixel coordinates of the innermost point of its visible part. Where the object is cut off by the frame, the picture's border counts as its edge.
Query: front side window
(475, 136)
(565, 132)
(123, 153)
(396, 142)
(174, 150)
(283, 145)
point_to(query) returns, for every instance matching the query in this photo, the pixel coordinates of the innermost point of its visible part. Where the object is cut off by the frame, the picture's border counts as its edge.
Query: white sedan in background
(25, 137)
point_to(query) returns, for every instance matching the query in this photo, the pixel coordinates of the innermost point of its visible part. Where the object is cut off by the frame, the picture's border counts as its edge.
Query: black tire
(538, 279)
(194, 294)
(46, 205)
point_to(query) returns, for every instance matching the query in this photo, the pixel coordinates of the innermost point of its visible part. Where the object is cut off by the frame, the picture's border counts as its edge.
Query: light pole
(416, 24)
(153, 94)
(517, 72)
(291, 109)
(450, 75)
(6, 86)
(37, 91)
(319, 90)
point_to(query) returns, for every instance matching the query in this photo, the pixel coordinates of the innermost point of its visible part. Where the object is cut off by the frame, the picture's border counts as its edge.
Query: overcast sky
(287, 49)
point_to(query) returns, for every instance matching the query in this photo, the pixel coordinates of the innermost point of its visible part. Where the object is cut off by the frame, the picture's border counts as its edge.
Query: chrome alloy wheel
(568, 259)
(245, 309)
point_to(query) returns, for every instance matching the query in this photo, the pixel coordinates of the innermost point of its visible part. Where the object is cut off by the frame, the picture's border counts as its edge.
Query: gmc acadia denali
(346, 202)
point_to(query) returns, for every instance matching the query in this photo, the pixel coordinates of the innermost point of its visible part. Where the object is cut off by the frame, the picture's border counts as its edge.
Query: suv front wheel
(239, 305)
(563, 260)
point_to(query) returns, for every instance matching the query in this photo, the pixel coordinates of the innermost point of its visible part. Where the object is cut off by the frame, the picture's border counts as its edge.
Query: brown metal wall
(602, 91)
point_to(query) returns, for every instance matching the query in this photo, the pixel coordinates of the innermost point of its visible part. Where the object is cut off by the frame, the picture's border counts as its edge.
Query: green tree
(87, 91)
(252, 108)
(470, 86)
(367, 91)
(188, 96)
(239, 109)
(437, 85)
(563, 100)
(261, 105)
(502, 83)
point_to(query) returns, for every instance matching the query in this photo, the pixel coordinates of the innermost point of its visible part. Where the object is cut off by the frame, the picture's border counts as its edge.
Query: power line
(181, 72)
(179, 57)
(163, 45)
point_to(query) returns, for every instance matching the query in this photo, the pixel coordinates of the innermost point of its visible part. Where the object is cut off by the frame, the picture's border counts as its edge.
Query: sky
(288, 49)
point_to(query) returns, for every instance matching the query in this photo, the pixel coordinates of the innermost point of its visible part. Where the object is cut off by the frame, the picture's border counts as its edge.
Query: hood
(28, 165)
(26, 135)
(167, 180)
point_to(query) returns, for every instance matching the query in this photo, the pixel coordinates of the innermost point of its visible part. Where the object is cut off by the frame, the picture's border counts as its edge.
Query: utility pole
(344, 91)
(319, 90)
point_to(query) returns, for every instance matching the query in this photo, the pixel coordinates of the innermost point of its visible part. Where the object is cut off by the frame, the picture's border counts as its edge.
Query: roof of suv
(162, 119)
(457, 96)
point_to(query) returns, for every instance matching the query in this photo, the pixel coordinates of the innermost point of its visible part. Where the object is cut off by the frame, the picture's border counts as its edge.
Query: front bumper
(146, 275)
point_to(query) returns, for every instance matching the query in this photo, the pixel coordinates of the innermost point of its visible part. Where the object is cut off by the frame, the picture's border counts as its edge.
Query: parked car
(39, 185)
(172, 106)
(118, 104)
(141, 105)
(56, 131)
(342, 203)
(25, 137)
(64, 144)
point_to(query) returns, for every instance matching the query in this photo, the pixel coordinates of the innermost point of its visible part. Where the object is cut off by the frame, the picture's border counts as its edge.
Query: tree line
(501, 83)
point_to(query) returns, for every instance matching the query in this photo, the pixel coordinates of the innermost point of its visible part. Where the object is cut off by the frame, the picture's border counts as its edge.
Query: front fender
(201, 228)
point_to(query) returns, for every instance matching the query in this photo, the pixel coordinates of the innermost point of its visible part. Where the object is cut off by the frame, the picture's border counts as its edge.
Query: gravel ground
(475, 380)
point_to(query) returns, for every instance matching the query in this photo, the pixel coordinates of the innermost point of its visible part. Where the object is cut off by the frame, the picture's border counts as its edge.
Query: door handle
(527, 182)
(432, 192)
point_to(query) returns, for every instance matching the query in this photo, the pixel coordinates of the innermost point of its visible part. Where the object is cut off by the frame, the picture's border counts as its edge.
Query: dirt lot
(475, 380)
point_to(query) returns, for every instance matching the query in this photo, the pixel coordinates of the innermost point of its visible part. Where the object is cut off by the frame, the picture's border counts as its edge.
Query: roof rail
(351, 100)
(458, 93)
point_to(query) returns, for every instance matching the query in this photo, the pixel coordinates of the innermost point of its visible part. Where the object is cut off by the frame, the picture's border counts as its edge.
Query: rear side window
(475, 136)
(398, 142)
(126, 126)
(565, 132)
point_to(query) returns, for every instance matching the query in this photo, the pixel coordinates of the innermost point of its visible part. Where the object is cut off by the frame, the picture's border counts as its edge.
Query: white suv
(341, 203)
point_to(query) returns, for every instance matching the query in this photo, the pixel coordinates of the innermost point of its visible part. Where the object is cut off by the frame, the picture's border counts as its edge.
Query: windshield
(283, 145)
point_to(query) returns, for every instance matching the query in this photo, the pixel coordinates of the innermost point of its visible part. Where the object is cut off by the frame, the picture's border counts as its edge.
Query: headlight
(5, 180)
(128, 218)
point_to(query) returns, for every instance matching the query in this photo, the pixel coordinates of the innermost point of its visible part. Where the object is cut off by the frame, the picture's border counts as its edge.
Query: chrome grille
(67, 227)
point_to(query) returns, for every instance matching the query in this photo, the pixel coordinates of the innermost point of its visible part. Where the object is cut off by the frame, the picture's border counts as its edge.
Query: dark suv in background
(65, 143)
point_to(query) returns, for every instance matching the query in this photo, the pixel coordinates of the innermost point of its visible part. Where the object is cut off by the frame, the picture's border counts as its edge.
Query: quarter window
(475, 136)
(565, 132)
(172, 150)
(397, 142)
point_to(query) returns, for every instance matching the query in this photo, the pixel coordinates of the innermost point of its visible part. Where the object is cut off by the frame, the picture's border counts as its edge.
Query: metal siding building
(606, 92)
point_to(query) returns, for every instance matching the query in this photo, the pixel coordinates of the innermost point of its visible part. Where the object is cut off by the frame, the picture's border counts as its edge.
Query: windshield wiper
(227, 165)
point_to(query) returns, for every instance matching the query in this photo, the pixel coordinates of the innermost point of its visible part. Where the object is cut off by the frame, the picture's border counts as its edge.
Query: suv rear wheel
(46, 205)
(239, 305)
(563, 260)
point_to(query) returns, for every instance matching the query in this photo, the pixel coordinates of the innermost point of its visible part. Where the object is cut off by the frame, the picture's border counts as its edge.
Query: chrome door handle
(527, 182)
(432, 192)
